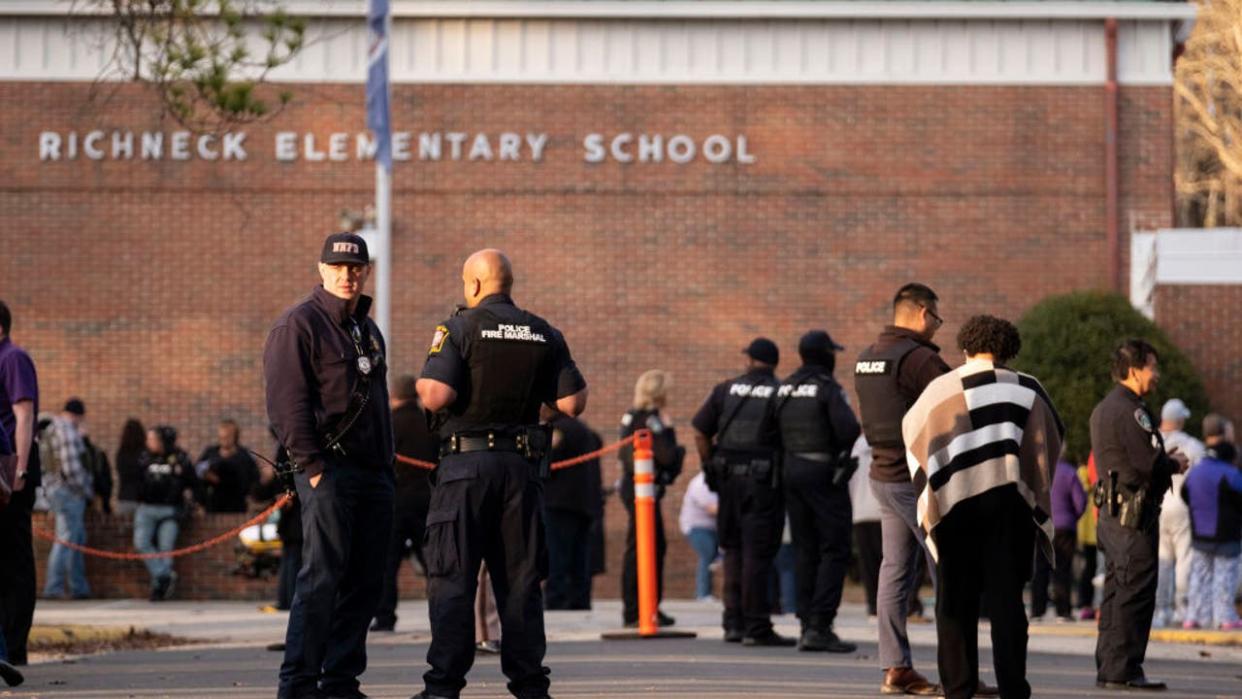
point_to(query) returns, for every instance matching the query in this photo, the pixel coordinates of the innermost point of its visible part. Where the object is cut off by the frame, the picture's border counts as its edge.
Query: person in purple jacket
(1213, 491)
(1069, 501)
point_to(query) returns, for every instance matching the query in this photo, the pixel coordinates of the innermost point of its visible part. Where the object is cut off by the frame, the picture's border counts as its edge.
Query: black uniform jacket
(1125, 438)
(310, 364)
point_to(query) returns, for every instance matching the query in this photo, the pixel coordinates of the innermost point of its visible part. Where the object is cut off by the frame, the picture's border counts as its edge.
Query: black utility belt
(1132, 509)
(469, 442)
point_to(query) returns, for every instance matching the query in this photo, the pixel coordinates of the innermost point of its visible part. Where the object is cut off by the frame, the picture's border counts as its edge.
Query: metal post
(383, 253)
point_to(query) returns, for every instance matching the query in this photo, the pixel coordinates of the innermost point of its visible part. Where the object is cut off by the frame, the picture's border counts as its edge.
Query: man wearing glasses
(889, 377)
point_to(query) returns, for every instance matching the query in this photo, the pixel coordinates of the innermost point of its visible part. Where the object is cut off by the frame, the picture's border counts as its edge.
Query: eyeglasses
(930, 312)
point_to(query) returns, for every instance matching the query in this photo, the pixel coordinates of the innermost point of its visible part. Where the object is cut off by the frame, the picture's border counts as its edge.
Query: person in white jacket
(698, 523)
(1173, 578)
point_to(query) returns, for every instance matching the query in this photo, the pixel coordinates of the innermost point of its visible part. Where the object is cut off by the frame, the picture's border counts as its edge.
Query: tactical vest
(743, 424)
(880, 400)
(508, 356)
(804, 421)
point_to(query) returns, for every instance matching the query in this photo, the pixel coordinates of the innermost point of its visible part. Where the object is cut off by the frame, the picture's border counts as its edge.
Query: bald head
(486, 272)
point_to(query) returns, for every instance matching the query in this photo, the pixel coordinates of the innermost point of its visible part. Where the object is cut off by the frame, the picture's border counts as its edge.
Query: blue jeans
(70, 510)
(155, 529)
(707, 546)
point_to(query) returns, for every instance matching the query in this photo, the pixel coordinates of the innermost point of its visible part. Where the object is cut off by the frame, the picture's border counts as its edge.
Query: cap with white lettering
(344, 249)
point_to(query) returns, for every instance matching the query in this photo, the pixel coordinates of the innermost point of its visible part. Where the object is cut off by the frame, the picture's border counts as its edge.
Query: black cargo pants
(749, 521)
(486, 506)
(820, 520)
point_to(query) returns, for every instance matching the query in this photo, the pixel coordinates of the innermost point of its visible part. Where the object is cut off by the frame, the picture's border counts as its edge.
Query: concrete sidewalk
(226, 624)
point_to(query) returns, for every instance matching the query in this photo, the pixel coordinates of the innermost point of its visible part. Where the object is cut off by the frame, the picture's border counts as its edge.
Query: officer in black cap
(818, 431)
(1134, 473)
(327, 400)
(738, 442)
(489, 370)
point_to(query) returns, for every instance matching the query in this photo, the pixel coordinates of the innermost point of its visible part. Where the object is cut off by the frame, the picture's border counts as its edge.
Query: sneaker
(171, 586)
(487, 647)
(1231, 625)
(1190, 624)
(663, 619)
(1087, 614)
(159, 591)
(733, 636)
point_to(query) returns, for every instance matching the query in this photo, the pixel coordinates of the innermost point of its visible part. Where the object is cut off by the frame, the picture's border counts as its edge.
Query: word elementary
(428, 146)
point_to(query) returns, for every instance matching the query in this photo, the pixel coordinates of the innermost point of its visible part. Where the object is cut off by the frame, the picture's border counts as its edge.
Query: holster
(1131, 509)
(535, 443)
(844, 469)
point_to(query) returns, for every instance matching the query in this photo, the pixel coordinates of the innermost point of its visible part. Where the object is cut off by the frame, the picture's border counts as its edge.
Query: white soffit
(685, 43)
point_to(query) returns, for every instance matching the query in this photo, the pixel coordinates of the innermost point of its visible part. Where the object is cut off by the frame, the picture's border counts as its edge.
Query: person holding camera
(489, 370)
(739, 447)
(650, 398)
(818, 431)
(1135, 471)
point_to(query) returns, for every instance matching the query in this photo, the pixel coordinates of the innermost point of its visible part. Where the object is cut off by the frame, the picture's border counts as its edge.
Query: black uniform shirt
(1126, 438)
(575, 488)
(311, 366)
(448, 361)
(707, 419)
(815, 383)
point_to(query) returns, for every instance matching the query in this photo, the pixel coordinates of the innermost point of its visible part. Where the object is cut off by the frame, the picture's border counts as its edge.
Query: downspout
(1110, 158)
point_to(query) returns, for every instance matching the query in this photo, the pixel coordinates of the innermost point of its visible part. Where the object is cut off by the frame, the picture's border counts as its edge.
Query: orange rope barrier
(118, 556)
(427, 465)
(220, 538)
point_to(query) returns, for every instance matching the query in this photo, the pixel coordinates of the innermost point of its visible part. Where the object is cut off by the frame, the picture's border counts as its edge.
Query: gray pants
(902, 544)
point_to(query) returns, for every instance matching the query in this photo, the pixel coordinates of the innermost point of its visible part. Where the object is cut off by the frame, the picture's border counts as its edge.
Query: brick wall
(1202, 320)
(147, 288)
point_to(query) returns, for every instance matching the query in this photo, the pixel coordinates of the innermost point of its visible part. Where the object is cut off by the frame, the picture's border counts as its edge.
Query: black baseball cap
(345, 249)
(761, 349)
(817, 341)
(75, 406)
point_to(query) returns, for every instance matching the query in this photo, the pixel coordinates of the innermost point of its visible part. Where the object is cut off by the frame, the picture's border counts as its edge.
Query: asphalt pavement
(231, 660)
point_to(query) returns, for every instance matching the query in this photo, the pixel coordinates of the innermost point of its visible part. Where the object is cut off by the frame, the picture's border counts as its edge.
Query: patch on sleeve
(1143, 419)
(626, 419)
(437, 340)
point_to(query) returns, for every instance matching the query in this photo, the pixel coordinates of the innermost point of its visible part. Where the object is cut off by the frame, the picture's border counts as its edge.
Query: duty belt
(490, 441)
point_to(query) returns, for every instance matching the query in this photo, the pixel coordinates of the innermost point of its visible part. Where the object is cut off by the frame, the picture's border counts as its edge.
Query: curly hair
(986, 334)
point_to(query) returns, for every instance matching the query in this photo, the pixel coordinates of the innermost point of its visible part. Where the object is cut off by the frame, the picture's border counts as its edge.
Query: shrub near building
(1067, 343)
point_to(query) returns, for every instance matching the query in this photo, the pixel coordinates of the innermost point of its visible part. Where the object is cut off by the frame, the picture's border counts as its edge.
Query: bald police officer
(489, 370)
(739, 447)
(818, 431)
(1134, 473)
(327, 400)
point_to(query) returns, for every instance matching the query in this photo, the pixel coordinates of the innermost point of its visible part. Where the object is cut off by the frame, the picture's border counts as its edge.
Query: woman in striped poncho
(982, 441)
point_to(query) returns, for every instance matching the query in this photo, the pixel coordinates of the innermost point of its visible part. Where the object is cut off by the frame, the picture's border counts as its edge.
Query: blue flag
(378, 114)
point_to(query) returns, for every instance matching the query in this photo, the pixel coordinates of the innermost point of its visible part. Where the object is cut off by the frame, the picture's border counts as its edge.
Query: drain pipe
(1111, 177)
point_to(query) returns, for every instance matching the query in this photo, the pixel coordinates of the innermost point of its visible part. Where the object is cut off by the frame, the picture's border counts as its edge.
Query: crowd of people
(956, 474)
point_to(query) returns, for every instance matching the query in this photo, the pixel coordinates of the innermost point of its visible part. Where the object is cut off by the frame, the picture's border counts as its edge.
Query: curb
(65, 634)
(1202, 637)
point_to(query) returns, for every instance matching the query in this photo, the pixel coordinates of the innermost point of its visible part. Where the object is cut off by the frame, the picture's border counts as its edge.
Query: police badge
(364, 365)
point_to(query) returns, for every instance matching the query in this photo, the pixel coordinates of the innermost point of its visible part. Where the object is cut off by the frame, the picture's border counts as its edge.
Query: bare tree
(1208, 117)
(206, 60)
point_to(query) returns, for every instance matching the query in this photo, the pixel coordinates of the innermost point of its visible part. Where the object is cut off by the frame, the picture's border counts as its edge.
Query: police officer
(413, 492)
(489, 369)
(327, 401)
(739, 447)
(818, 431)
(1134, 473)
(889, 376)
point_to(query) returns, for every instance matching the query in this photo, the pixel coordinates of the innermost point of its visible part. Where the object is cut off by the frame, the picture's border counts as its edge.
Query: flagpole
(383, 255)
(378, 100)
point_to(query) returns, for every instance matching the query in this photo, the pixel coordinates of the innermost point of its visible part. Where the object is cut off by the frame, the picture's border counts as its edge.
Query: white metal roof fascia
(688, 10)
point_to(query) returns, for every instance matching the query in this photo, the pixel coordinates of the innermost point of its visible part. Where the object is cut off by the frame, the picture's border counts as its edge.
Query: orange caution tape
(427, 465)
(126, 556)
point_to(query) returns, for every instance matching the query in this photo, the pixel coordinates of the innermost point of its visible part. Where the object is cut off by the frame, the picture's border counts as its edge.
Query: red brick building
(670, 179)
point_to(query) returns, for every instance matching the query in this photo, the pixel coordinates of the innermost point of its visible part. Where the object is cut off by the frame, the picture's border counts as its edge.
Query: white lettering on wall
(536, 141)
(152, 145)
(89, 145)
(337, 143)
(180, 145)
(205, 151)
(308, 149)
(594, 145)
(401, 145)
(429, 146)
(235, 146)
(49, 145)
(122, 145)
(287, 146)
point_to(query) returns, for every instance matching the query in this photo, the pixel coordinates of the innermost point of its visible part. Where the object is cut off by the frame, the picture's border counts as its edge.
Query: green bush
(1067, 343)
